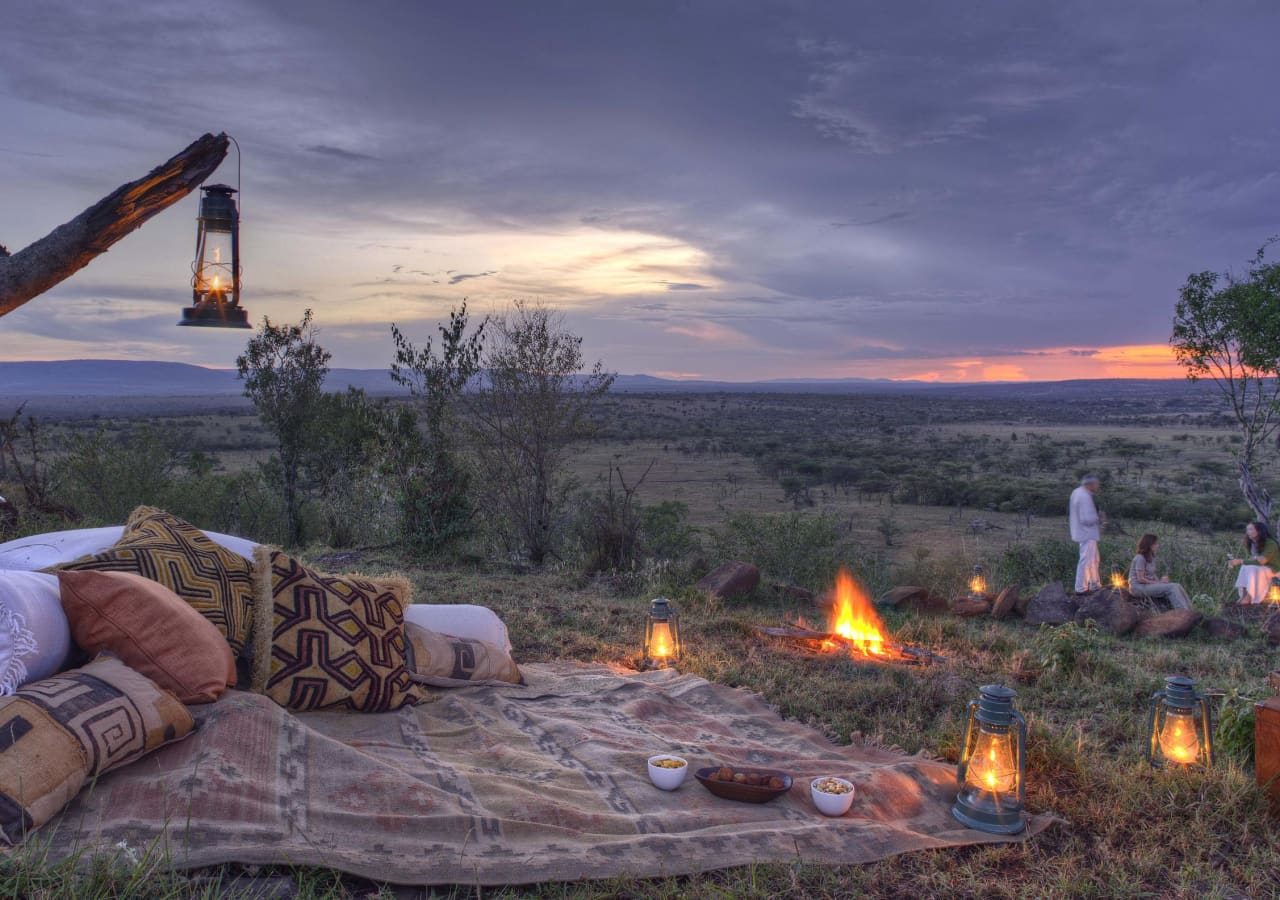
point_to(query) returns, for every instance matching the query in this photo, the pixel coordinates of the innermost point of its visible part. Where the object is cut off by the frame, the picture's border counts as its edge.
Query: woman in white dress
(1258, 566)
(1143, 579)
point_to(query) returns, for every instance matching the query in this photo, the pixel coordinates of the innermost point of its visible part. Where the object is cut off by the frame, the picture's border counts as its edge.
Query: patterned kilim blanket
(507, 785)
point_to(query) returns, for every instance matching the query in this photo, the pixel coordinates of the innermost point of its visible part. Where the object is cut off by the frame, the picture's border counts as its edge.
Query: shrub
(796, 547)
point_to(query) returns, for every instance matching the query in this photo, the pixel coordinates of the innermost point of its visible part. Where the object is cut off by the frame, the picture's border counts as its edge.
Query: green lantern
(992, 770)
(662, 647)
(215, 272)
(1178, 726)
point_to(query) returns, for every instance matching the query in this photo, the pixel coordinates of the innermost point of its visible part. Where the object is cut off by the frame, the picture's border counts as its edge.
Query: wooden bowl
(744, 793)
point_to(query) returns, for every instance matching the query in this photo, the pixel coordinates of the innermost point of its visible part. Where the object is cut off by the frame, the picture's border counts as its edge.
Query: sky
(719, 190)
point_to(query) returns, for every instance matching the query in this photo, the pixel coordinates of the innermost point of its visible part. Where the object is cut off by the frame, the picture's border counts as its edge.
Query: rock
(1006, 603)
(794, 593)
(1175, 623)
(1111, 609)
(968, 607)
(1223, 629)
(1271, 628)
(730, 580)
(1051, 606)
(914, 598)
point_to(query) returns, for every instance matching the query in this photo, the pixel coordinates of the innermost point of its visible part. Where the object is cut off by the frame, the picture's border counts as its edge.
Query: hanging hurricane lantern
(993, 766)
(1179, 732)
(215, 272)
(662, 645)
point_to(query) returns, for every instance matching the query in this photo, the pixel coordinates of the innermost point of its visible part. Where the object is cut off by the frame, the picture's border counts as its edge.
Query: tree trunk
(1258, 498)
(72, 246)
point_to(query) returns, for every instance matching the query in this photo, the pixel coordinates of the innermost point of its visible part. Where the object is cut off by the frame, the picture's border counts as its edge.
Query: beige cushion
(59, 733)
(445, 660)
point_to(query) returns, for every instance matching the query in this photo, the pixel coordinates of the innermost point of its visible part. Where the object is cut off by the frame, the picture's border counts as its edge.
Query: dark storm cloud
(1001, 177)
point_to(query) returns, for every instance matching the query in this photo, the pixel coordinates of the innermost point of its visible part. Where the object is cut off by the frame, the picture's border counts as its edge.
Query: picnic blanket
(507, 784)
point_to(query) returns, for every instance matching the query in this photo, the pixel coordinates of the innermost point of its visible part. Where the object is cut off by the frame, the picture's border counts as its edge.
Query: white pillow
(34, 635)
(39, 551)
(463, 620)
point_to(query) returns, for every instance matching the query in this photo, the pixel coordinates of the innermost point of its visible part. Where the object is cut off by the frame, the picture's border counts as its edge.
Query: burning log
(826, 641)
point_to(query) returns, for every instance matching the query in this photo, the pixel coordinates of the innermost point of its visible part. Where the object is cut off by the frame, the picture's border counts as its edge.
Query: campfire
(853, 628)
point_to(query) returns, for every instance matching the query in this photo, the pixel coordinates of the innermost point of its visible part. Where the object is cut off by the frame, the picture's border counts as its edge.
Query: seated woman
(1257, 568)
(1143, 579)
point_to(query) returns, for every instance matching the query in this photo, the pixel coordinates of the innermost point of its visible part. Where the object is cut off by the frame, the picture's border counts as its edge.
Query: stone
(730, 580)
(1110, 609)
(1271, 629)
(968, 607)
(1223, 629)
(1051, 606)
(1006, 603)
(794, 593)
(914, 598)
(1175, 623)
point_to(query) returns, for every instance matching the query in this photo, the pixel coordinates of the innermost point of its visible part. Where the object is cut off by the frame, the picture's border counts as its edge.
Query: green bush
(800, 548)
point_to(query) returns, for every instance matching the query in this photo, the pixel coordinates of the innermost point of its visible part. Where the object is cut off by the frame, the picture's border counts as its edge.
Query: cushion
(332, 641)
(461, 619)
(162, 547)
(34, 636)
(445, 660)
(151, 629)
(60, 732)
(43, 551)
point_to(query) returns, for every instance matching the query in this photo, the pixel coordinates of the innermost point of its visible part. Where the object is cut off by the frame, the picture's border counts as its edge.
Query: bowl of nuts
(667, 772)
(833, 796)
(742, 784)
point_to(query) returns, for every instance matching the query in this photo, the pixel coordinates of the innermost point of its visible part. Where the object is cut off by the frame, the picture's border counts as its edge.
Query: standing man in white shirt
(1086, 530)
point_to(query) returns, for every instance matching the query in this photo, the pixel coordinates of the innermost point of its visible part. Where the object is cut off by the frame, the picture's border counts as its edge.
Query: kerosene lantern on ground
(662, 647)
(992, 770)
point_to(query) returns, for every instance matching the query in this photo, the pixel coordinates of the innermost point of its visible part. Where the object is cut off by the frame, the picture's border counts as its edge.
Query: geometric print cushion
(333, 641)
(59, 733)
(444, 660)
(163, 548)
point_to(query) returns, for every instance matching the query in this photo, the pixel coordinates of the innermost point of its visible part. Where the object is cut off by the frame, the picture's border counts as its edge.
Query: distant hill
(127, 378)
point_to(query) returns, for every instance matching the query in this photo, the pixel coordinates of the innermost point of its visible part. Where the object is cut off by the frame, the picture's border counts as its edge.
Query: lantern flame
(991, 766)
(977, 585)
(1118, 581)
(1273, 595)
(854, 618)
(661, 646)
(1178, 739)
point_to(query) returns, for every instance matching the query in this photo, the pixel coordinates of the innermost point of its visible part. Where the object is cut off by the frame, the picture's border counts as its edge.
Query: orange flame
(1273, 595)
(854, 618)
(977, 585)
(1118, 581)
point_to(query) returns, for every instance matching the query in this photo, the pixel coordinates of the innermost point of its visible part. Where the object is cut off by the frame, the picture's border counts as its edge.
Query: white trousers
(1254, 583)
(1087, 569)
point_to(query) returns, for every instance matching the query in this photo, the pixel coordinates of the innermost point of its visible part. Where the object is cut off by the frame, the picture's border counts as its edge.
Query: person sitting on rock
(1262, 558)
(1144, 582)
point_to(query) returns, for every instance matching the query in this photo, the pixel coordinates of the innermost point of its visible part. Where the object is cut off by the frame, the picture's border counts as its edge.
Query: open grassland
(1127, 831)
(903, 490)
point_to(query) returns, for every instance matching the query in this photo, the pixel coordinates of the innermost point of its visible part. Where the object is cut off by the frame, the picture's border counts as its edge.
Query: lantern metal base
(653, 664)
(1011, 822)
(212, 315)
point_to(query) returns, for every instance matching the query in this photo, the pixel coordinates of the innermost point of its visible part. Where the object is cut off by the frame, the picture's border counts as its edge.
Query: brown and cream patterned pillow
(330, 641)
(444, 660)
(215, 581)
(58, 733)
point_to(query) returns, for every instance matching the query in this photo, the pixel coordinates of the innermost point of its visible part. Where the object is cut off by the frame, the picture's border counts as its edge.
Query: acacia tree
(535, 402)
(284, 370)
(432, 479)
(1227, 328)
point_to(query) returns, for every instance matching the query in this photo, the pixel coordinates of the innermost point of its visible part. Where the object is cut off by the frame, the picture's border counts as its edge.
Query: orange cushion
(151, 629)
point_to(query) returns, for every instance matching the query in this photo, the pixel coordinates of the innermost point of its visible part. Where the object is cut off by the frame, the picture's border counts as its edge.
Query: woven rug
(507, 785)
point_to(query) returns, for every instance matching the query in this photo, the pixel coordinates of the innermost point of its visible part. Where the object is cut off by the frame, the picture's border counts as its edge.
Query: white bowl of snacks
(667, 772)
(833, 796)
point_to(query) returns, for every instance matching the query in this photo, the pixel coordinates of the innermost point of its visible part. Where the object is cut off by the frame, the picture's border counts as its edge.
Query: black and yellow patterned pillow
(332, 641)
(215, 581)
